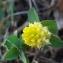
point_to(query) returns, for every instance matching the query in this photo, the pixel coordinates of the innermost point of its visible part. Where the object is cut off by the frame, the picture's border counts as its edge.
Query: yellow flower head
(35, 35)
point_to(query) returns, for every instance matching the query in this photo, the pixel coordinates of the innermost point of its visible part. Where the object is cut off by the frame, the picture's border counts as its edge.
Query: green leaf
(23, 57)
(51, 24)
(32, 15)
(56, 42)
(12, 54)
(13, 41)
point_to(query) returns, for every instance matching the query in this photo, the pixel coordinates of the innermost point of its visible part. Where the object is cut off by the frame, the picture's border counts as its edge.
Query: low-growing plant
(36, 35)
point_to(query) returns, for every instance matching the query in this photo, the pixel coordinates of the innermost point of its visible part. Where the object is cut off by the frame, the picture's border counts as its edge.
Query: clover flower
(36, 35)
